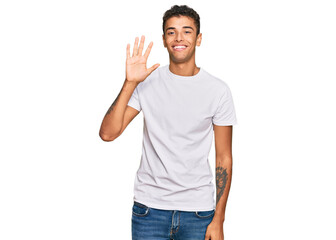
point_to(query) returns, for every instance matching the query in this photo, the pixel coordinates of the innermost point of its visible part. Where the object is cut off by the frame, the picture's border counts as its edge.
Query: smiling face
(180, 39)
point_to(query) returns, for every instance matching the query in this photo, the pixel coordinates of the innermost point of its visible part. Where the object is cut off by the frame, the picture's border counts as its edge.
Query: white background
(63, 64)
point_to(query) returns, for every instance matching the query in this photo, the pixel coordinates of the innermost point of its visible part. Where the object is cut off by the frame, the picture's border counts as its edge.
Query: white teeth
(180, 47)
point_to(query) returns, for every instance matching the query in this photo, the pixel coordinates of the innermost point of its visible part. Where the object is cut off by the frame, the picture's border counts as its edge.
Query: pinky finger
(128, 55)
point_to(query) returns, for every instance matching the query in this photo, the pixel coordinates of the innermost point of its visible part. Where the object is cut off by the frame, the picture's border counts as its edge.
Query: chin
(178, 60)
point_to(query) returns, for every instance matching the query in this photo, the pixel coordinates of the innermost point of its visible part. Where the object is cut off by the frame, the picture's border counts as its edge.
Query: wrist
(131, 82)
(218, 218)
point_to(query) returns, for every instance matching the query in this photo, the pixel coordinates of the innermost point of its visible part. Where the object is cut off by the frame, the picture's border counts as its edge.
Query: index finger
(148, 49)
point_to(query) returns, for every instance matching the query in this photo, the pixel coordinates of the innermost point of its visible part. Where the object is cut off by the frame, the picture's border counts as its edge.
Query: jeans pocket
(139, 209)
(205, 214)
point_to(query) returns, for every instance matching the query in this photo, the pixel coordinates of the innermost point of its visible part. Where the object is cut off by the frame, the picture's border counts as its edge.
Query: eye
(188, 32)
(170, 33)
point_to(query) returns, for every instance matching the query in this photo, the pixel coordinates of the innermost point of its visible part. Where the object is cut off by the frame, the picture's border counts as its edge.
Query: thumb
(150, 70)
(207, 236)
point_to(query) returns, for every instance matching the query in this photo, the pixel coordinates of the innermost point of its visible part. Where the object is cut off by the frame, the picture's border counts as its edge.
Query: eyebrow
(175, 28)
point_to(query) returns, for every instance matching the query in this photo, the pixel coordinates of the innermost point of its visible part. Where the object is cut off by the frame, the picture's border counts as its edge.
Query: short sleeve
(134, 100)
(225, 114)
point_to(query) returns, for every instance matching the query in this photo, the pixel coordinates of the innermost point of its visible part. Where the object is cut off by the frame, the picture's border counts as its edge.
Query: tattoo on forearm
(113, 104)
(221, 179)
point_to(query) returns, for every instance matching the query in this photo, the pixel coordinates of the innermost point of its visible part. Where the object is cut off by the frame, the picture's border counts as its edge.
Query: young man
(182, 106)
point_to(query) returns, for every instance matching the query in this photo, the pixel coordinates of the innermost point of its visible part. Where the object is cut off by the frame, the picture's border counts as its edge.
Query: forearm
(223, 183)
(113, 119)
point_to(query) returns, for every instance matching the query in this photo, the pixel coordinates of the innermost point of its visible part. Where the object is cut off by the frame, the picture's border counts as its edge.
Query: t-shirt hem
(179, 207)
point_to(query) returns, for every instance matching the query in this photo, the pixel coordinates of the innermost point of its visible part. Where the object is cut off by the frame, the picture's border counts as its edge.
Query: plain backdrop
(62, 64)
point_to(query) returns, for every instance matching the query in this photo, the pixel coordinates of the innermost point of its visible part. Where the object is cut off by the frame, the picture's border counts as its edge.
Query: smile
(179, 48)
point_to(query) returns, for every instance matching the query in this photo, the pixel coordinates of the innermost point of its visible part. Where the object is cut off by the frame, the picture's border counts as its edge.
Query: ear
(199, 39)
(164, 41)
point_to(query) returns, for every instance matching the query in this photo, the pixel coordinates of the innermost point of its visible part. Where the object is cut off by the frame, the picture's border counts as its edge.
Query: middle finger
(142, 42)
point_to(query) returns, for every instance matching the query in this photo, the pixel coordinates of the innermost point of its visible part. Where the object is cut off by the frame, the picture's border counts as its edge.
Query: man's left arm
(223, 146)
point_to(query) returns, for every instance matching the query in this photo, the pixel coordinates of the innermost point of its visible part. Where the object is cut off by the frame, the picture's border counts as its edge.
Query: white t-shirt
(174, 171)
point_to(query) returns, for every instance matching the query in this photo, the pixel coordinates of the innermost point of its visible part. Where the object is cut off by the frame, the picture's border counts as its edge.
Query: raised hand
(136, 70)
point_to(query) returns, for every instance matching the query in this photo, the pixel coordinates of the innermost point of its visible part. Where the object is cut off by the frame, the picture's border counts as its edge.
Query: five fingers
(138, 51)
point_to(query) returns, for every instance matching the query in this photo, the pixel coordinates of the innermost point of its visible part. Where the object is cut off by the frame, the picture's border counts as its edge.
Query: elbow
(106, 137)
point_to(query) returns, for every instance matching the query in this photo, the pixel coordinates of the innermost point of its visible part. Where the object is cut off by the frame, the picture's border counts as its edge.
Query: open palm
(136, 69)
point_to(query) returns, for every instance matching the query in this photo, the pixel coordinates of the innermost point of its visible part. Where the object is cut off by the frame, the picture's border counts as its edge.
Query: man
(182, 105)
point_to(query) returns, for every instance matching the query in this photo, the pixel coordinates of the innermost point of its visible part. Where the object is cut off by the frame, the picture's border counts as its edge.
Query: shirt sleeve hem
(224, 123)
(134, 106)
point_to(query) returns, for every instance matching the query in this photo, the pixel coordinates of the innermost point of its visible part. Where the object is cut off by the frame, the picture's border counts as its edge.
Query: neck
(184, 69)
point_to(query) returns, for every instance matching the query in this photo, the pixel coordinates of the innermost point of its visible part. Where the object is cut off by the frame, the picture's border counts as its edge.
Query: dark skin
(119, 115)
(223, 146)
(181, 31)
(136, 70)
(113, 104)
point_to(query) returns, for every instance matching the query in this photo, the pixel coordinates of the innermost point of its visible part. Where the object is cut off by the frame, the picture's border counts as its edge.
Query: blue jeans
(158, 224)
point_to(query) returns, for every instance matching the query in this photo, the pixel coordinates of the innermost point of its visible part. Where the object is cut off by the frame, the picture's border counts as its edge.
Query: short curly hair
(182, 10)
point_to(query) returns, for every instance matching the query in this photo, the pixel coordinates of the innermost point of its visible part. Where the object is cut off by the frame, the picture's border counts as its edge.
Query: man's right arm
(119, 115)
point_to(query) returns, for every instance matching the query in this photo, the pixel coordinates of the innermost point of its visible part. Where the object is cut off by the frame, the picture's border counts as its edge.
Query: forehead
(179, 22)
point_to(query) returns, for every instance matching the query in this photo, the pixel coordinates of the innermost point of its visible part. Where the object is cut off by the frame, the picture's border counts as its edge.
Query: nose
(178, 37)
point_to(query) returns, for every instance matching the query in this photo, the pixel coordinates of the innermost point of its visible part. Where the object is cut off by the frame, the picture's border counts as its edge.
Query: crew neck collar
(184, 78)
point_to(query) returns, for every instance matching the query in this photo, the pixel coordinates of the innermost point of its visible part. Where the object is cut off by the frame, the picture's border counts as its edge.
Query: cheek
(192, 40)
(168, 43)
